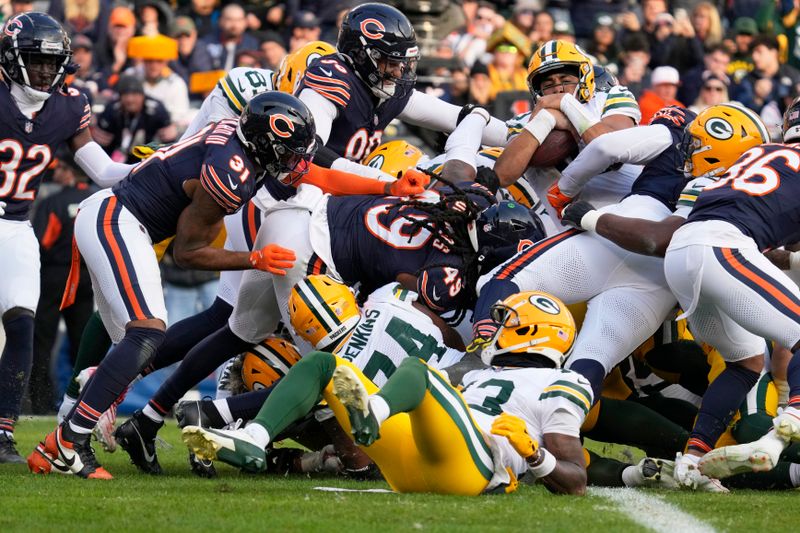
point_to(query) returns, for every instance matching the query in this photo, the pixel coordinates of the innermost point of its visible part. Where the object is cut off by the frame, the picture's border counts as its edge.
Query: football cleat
(202, 467)
(757, 456)
(8, 450)
(787, 424)
(351, 392)
(233, 446)
(137, 436)
(66, 452)
(688, 476)
(190, 413)
(104, 430)
(657, 473)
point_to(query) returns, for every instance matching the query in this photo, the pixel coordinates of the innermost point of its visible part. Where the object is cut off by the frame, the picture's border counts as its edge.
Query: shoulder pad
(620, 101)
(570, 389)
(329, 77)
(515, 124)
(241, 84)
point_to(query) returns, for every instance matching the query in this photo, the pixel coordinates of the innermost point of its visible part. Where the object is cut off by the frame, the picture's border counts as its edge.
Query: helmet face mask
(791, 122)
(564, 58)
(393, 76)
(504, 229)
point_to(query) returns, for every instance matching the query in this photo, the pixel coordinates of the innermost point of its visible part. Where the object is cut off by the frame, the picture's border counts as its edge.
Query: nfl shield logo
(28, 127)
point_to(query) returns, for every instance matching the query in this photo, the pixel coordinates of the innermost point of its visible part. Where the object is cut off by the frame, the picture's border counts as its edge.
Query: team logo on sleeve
(545, 304)
(379, 28)
(13, 27)
(281, 125)
(719, 128)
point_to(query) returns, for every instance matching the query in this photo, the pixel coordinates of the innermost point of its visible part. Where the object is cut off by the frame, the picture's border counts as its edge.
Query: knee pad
(17, 312)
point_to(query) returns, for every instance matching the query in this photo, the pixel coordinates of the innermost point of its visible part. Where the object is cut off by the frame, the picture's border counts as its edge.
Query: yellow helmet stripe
(274, 359)
(316, 304)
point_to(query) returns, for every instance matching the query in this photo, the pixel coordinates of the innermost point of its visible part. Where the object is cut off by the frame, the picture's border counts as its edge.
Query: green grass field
(179, 501)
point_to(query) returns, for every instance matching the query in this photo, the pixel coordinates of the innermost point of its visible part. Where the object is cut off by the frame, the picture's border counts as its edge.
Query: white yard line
(652, 512)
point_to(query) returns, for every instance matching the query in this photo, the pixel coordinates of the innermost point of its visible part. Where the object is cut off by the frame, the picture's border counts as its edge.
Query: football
(558, 146)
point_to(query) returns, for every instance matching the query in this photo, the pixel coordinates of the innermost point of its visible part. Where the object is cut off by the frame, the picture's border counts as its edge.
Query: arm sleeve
(100, 168)
(341, 183)
(431, 112)
(464, 143)
(689, 196)
(323, 111)
(345, 165)
(637, 146)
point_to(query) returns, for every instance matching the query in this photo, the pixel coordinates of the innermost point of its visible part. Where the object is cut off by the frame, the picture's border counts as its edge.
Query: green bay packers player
(522, 414)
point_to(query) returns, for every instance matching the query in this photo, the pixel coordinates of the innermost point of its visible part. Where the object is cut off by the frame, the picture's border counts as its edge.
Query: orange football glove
(410, 182)
(272, 258)
(557, 199)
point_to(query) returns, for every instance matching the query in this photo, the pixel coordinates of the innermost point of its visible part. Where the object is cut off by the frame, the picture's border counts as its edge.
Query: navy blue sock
(246, 406)
(492, 292)
(591, 370)
(793, 377)
(184, 335)
(15, 365)
(720, 402)
(198, 363)
(113, 375)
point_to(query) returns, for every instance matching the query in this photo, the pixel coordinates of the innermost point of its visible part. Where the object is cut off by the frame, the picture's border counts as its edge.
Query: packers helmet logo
(719, 128)
(13, 27)
(276, 122)
(376, 162)
(379, 28)
(545, 304)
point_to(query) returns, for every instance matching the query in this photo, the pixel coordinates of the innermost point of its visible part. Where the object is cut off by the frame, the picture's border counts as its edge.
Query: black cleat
(202, 467)
(191, 413)
(137, 437)
(8, 451)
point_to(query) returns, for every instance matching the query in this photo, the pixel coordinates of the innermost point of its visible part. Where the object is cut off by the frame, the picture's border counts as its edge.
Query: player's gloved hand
(580, 215)
(557, 199)
(478, 344)
(2, 208)
(143, 151)
(514, 429)
(488, 178)
(410, 182)
(469, 108)
(273, 259)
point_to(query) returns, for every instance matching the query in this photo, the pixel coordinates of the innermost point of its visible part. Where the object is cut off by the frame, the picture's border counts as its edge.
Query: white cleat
(688, 476)
(787, 424)
(235, 447)
(104, 430)
(757, 456)
(658, 473)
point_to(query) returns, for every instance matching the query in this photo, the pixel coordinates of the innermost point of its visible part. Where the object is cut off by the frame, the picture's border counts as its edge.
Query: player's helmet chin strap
(491, 351)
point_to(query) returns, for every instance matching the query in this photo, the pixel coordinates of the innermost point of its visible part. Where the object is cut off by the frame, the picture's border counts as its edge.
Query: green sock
(406, 388)
(776, 479)
(95, 343)
(627, 422)
(604, 472)
(297, 393)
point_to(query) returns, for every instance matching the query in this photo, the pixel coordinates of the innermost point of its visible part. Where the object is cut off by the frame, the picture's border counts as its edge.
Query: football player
(562, 81)
(40, 117)
(523, 414)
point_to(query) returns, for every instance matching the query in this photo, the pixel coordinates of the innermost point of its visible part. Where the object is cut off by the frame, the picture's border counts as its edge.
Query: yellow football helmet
(394, 157)
(718, 136)
(267, 362)
(521, 192)
(294, 65)
(532, 322)
(322, 311)
(562, 55)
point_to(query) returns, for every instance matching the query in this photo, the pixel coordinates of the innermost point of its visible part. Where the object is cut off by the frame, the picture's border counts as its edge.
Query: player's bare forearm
(513, 162)
(450, 336)
(646, 237)
(779, 258)
(455, 171)
(607, 125)
(569, 475)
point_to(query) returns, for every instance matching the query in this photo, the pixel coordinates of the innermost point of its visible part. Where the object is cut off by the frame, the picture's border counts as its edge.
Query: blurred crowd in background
(147, 65)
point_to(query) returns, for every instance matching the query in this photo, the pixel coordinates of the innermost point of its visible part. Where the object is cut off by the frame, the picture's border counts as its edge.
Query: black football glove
(466, 110)
(572, 215)
(488, 178)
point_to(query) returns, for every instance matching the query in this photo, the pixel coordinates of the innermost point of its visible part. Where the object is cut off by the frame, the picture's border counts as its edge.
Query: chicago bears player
(562, 82)
(183, 190)
(356, 93)
(40, 116)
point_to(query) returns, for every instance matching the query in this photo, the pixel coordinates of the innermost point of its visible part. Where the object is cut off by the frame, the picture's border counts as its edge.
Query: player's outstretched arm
(341, 183)
(569, 474)
(95, 162)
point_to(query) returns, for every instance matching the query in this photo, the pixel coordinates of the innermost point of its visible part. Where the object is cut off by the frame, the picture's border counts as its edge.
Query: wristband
(577, 114)
(544, 465)
(794, 260)
(541, 125)
(589, 220)
(481, 112)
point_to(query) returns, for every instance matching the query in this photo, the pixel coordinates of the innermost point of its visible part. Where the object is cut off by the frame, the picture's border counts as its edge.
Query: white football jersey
(607, 188)
(390, 330)
(548, 400)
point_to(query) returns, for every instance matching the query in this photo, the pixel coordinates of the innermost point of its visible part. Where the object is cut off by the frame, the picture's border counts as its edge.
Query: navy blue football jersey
(372, 241)
(760, 195)
(28, 146)
(153, 191)
(358, 128)
(663, 177)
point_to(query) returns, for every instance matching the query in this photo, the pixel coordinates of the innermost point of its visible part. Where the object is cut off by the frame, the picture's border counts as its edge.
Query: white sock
(632, 477)
(67, 403)
(79, 429)
(152, 414)
(794, 474)
(223, 410)
(259, 433)
(379, 408)
(7, 434)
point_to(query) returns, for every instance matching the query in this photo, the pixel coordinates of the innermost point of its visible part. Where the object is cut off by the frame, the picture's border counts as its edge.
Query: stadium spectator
(745, 30)
(111, 55)
(249, 59)
(205, 15)
(86, 17)
(524, 15)
(507, 71)
(584, 14)
(21, 6)
(663, 89)
(218, 50)
(305, 28)
(132, 119)
(470, 45)
(480, 85)
(155, 17)
(707, 24)
(563, 30)
(634, 72)
(542, 28)
(780, 18)
(185, 32)
(765, 83)
(86, 78)
(713, 91)
(603, 45)
(273, 48)
(53, 224)
(716, 60)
